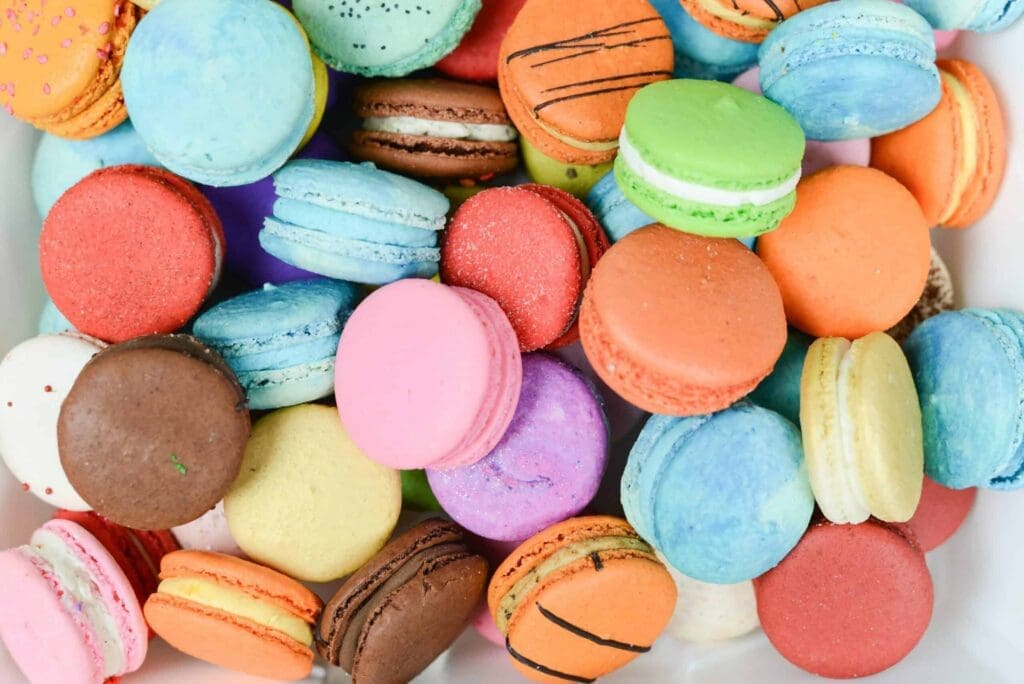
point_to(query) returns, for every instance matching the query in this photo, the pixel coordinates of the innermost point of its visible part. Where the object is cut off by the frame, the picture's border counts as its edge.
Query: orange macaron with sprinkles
(60, 64)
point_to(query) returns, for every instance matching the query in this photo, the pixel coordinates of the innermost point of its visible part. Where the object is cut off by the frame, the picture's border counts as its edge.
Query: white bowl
(977, 632)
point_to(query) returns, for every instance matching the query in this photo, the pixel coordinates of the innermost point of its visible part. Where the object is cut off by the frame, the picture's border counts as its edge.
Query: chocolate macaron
(433, 128)
(405, 607)
(153, 431)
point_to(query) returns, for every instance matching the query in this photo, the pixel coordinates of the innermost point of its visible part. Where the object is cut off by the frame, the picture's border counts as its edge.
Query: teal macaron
(354, 222)
(780, 391)
(389, 39)
(281, 341)
(983, 16)
(709, 158)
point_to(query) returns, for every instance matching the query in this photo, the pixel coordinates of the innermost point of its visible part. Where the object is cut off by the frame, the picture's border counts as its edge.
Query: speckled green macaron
(709, 158)
(391, 38)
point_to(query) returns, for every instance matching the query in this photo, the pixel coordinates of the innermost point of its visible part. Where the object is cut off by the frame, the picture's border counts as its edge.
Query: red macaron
(531, 248)
(940, 514)
(476, 57)
(130, 251)
(849, 600)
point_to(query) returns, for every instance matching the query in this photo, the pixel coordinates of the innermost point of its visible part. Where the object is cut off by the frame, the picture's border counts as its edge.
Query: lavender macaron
(545, 469)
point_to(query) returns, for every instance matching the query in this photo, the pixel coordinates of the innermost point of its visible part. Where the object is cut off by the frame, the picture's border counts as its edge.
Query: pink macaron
(427, 375)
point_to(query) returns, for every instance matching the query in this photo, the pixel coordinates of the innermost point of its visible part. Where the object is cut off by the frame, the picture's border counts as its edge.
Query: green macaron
(709, 158)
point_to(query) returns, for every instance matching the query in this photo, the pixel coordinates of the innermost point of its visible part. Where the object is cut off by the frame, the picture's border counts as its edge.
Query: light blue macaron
(60, 163)
(354, 222)
(852, 69)
(52, 321)
(700, 52)
(392, 38)
(724, 497)
(780, 391)
(983, 16)
(222, 92)
(281, 340)
(968, 367)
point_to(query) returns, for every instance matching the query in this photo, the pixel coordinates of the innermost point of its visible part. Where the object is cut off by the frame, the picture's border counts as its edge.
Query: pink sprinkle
(10, 109)
(3, 87)
(10, 14)
(117, 10)
(69, 11)
(83, 29)
(17, 27)
(3, 48)
(42, 59)
(10, 88)
(102, 54)
(46, 89)
(55, 20)
(27, 53)
(104, 28)
(35, 31)
(31, 16)
(65, 43)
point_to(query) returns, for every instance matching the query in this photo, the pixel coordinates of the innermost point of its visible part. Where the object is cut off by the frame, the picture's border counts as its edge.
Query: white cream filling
(584, 266)
(218, 261)
(703, 194)
(849, 495)
(411, 125)
(80, 596)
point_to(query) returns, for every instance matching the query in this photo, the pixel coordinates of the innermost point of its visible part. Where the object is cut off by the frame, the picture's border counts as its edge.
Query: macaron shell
(753, 19)
(940, 514)
(576, 179)
(711, 612)
(429, 157)
(476, 57)
(938, 296)
(209, 532)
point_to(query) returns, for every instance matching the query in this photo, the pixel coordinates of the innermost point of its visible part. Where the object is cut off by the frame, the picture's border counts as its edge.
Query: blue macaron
(983, 16)
(837, 68)
(968, 367)
(354, 222)
(700, 52)
(780, 391)
(60, 163)
(52, 321)
(724, 497)
(222, 92)
(281, 340)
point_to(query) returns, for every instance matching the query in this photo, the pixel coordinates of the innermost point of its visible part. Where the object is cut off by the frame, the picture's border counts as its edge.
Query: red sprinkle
(48, 388)
(49, 491)
(24, 486)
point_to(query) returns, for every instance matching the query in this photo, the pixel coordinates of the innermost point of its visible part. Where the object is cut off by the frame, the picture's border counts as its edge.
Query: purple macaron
(545, 469)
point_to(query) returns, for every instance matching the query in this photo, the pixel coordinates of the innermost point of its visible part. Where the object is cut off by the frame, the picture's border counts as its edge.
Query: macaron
(686, 490)
(426, 582)
(938, 296)
(308, 501)
(52, 321)
(197, 120)
(709, 158)
(354, 222)
(580, 600)
(819, 154)
(952, 160)
(35, 379)
(389, 39)
(940, 514)
(968, 367)
(708, 612)
(568, 68)
(139, 282)
(60, 67)
(59, 163)
(861, 429)
(780, 391)
(747, 20)
(617, 215)
(699, 51)
(545, 469)
(152, 432)
(531, 248)
(63, 589)
(728, 323)
(854, 255)
(434, 128)
(834, 67)
(443, 362)
(235, 614)
(983, 16)
(576, 179)
(416, 492)
(208, 532)
(281, 340)
(806, 609)
(476, 56)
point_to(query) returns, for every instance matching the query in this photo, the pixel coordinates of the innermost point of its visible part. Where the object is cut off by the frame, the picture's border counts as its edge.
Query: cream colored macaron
(862, 431)
(711, 612)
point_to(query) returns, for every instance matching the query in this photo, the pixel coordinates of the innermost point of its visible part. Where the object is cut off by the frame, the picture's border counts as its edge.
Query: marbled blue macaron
(838, 67)
(983, 16)
(780, 391)
(222, 92)
(700, 52)
(281, 341)
(968, 367)
(60, 163)
(724, 497)
(391, 38)
(354, 222)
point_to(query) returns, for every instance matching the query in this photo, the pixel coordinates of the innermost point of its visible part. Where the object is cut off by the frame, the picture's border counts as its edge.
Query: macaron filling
(969, 135)
(585, 268)
(432, 128)
(219, 597)
(735, 16)
(696, 192)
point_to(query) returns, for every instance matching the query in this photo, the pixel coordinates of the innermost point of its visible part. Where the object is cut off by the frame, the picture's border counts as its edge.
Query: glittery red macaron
(476, 57)
(940, 514)
(531, 248)
(130, 251)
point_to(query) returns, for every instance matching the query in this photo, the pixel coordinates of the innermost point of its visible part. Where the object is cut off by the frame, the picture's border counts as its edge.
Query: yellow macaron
(576, 179)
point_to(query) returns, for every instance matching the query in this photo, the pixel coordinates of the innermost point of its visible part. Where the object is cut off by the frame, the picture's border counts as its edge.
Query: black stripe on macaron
(590, 636)
(541, 668)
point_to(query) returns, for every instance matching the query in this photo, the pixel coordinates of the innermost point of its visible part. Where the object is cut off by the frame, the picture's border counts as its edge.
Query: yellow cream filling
(321, 84)
(967, 164)
(599, 146)
(557, 561)
(218, 597)
(735, 16)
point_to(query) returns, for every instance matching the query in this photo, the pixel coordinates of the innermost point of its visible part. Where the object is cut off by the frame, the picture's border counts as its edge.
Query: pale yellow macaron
(576, 179)
(145, 4)
(308, 502)
(861, 427)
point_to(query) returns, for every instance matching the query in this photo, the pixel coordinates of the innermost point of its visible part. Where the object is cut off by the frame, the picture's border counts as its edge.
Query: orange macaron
(580, 599)
(60, 64)
(854, 255)
(747, 20)
(680, 324)
(953, 160)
